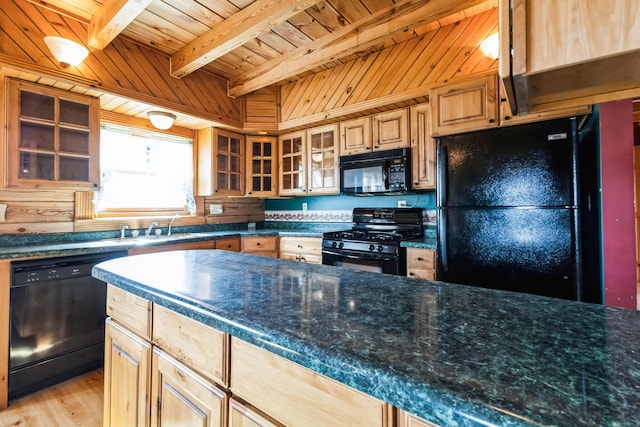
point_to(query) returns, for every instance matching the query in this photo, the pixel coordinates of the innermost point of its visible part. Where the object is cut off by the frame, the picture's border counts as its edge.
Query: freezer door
(527, 165)
(523, 250)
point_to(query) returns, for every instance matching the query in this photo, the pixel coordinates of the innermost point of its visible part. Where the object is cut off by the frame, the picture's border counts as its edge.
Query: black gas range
(373, 242)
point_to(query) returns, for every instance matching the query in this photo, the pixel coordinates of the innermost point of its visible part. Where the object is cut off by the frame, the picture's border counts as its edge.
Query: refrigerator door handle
(442, 238)
(441, 170)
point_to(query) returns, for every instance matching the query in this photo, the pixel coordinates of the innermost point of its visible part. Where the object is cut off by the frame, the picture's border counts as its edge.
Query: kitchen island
(449, 354)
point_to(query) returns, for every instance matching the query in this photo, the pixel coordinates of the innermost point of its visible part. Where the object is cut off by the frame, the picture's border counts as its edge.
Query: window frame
(142, 125)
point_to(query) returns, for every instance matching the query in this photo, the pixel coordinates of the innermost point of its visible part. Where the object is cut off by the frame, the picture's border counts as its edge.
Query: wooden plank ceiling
(254, 44)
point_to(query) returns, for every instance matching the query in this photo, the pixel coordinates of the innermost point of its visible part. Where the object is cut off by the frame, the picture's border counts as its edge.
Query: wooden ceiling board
(167, 25)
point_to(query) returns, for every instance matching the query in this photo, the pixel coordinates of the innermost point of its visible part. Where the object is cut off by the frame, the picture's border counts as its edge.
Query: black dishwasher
(56, 321)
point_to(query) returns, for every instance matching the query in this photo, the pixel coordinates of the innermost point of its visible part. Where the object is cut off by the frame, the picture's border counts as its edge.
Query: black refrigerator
(509, 210)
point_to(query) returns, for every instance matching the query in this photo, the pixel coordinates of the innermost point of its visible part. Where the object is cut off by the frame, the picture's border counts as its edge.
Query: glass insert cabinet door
(292, 163)
(53, 137)
(229, 151)
(261, 161)
(323, 159)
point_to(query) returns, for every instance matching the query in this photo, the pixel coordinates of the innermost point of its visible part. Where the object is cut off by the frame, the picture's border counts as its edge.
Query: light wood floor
(77, 402)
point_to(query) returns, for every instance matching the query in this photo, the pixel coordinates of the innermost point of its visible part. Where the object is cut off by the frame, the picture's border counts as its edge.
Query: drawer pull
(420, 258)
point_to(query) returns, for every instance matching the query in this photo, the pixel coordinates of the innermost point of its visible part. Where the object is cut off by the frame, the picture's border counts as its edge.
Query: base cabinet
(182, 397)
(243, 415)
(303, 249)
(421, 263)
(163, 381)
(263, 246)
(297, 396)
(127, 362)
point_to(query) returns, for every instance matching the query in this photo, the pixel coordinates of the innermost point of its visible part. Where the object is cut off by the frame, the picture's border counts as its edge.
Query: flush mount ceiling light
(491, 46)
(161, 119)
(66, 51)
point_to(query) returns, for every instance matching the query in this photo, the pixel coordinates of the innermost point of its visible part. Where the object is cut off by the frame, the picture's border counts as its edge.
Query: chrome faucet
(150, 229)
(124, 227)
(177, 216)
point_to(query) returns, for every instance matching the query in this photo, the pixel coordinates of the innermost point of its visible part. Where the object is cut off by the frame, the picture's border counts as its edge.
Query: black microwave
(379, 172)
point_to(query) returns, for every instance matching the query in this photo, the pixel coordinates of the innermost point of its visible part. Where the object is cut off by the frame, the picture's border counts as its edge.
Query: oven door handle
(343, 255)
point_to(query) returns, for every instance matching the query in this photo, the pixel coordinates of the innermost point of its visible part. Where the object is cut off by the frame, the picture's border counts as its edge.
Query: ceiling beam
(241, 27)
(403, 16)
(113, 17)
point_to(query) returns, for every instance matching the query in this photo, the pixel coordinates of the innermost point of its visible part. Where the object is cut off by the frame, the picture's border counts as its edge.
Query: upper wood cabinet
(53, 137)
(292, 165)
(309, 162)
(566, 53)
(355, 136)
(391, 129)
(423, 149)
(220, 162)
(322, 160)
(464, 106)
(261, 169)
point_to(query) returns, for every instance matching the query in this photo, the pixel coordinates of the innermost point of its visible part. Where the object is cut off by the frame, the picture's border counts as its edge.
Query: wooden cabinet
(382, 131)
(131, 311)
(464, 106)
(423, 149)
(52, 137)
(557, 54)
(183, 398)
(322, 160)
(127, 363)
(292, 165)
(244, 415)
(296, 396)
(262, 245)
(509, 118)
(175, 247)
(261, 166)
(309, 162)
(405, 419)
(355, 136)
(220, 162)
(421, 263)
(231, 244)
(391, 129)
(202, 348)
(304, 249)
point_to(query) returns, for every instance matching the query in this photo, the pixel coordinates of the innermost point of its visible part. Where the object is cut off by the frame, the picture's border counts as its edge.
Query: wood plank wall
(390, 77)
(261, 110)
(123, 68)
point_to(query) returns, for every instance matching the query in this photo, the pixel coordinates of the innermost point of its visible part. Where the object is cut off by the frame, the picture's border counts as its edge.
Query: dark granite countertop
(58, 246)
(452, 354)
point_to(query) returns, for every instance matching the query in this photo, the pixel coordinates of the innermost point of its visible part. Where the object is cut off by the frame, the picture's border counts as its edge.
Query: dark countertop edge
(417, 398)
(112, 245)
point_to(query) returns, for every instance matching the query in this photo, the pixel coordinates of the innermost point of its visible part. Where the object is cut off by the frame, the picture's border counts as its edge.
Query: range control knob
(380, 248)
(341, 245)
(372, 248)
(334, 244)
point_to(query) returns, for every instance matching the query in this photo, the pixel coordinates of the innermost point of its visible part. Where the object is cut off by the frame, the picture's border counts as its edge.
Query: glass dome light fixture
(67, 52)
(161, 119)
(491, 46)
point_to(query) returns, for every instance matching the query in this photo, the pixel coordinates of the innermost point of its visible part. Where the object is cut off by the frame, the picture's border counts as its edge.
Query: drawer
(306, 245)
(419, 273)
(421, 258)
(232, 245)
(254, 244)
(130, 310)
(296, 396)
(198, 346)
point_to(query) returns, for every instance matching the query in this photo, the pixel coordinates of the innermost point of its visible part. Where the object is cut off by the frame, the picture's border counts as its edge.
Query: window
(144, 171)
